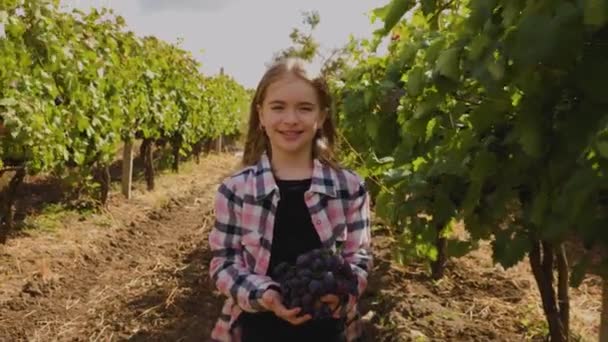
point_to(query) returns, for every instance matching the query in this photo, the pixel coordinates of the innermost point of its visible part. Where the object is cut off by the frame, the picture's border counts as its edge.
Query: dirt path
(138, 272)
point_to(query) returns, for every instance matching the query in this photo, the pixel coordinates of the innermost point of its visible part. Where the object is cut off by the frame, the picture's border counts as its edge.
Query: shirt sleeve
(357, 247)
(227, 268)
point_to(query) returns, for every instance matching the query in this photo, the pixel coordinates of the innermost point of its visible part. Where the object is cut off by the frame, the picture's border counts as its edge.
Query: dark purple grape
(314, 287)
(339, 260)
(295, 302)
(281, 270)
(332, 263)
(317, 265)
(306, 309)
(307, 299)
(290, 273)
(329, 282)
(345, 270)
(318, 275)
(301, 291)
(303, 260)
(293, 283)
(305, 280)
(284, 289)
(305, 273)
(315, 253)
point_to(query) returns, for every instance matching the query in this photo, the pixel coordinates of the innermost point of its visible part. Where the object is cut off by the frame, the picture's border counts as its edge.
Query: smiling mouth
(291, 134)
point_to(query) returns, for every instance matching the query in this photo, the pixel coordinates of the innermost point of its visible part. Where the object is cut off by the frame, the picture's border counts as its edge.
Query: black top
(293, 235)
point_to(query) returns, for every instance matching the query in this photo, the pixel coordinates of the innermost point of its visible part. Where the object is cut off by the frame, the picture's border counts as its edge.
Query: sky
(239, 35)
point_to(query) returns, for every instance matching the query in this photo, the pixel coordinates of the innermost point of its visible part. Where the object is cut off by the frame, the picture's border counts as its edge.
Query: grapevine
(488, 113)
(75, 86)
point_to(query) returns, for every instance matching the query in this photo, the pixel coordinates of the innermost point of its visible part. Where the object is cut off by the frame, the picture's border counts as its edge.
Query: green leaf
(510, 248)
(79, 158)
(394, 176)
(448, 64)
(393, 13)
(433, 51)
(415, 81)
(579, 270)
(443, 208)
(8, 102)
(602, 148)
(481, 11)
(496, 68)
(539, 31)
(576, 194)
(478, 47)
(486, 115)
(368, 96)
(408, 53)
(540, 204)
(430, 127)
(594, 12)
(427, 105)
(458, 248)
(380, 12)
(429, 6)
(484, 165)
(530, 135)
(371, 124)
(417, 163)
(385, 207)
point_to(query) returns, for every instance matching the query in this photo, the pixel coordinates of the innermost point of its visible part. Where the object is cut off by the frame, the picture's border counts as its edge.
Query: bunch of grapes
(316, 273)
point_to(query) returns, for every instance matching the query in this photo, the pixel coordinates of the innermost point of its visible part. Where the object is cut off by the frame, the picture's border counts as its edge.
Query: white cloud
(181, 5)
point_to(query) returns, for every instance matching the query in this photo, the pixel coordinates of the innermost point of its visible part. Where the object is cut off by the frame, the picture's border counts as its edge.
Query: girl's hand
(272, 301)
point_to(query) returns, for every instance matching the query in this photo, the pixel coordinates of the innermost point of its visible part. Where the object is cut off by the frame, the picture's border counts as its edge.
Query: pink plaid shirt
(240, 241)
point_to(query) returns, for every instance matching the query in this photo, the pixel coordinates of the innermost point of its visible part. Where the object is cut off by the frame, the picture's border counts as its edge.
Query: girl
(290, 197)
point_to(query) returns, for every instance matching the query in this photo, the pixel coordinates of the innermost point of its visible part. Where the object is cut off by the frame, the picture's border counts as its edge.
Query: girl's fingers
(291, 315)
(300, 320)
(285, 313)
(288, 313)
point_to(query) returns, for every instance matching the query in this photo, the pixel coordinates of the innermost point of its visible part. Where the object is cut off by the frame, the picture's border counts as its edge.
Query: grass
(532, 325)
(50, 219)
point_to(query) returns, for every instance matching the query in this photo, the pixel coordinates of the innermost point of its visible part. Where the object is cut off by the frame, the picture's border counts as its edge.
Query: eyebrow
(283, 102)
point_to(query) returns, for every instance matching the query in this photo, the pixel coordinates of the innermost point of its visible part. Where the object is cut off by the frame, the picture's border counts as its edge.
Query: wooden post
(127, 168)
(218, 144)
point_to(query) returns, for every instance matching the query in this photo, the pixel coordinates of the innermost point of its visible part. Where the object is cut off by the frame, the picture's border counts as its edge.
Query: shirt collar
(323, 178)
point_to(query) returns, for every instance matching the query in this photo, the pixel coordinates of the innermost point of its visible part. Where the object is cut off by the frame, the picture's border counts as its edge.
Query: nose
(291, 116)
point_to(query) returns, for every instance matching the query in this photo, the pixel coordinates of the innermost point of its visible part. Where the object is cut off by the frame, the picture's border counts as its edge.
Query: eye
(276, 107)
(306, 109)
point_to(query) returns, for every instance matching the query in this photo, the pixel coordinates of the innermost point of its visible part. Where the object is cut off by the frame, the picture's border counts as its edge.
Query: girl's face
(291, 115)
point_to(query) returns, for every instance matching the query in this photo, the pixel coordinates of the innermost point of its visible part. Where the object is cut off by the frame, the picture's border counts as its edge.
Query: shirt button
(318, 222)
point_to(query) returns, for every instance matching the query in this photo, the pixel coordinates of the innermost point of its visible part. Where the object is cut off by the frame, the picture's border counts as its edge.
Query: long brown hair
(257, 141)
